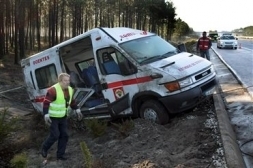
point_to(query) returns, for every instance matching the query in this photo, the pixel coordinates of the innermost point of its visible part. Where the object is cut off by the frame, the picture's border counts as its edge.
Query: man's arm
(50, 96)
(197, 46)
(73, 105)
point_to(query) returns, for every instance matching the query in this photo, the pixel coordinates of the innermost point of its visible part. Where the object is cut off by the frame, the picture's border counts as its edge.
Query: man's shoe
(61, 158)
(43, 153)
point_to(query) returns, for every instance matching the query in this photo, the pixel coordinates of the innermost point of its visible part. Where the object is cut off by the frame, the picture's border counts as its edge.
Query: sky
(220, 15)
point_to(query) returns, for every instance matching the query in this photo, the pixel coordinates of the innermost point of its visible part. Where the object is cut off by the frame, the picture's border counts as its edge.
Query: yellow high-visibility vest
(58, 108)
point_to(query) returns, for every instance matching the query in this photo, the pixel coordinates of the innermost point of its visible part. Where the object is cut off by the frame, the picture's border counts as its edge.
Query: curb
(232, 151)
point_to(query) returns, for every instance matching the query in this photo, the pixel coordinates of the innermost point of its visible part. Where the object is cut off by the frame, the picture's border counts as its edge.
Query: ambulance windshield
(149, 49)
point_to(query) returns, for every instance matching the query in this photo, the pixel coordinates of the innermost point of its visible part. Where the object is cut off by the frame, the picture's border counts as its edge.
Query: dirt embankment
(189, 140)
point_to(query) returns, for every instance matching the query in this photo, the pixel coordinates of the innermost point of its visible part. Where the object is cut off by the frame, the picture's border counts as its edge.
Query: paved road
(238, 140)
(246, 44)
(240, 62)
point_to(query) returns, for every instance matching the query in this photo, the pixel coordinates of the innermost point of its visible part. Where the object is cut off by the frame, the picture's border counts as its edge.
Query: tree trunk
(38, 14)
(22, 29)
(16, 59)
(2, 41)
(62, 21)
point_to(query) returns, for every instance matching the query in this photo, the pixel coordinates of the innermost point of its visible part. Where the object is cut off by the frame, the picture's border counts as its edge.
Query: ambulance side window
(112, 61)
(126, 67)
(46, 76)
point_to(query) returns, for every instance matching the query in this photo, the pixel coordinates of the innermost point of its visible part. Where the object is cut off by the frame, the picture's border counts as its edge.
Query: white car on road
(227, 42)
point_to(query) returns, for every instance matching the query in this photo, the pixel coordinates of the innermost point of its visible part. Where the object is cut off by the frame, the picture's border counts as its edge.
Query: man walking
(55, 106)
(203, 46)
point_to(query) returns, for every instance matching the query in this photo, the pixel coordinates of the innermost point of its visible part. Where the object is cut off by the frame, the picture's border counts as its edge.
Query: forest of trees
(30, 25)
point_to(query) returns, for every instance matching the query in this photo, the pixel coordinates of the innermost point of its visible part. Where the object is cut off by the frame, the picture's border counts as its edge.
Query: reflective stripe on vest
(58, 108)
(203, 43)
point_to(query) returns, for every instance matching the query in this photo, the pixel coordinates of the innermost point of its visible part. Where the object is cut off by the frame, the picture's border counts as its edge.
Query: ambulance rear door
(41, 72)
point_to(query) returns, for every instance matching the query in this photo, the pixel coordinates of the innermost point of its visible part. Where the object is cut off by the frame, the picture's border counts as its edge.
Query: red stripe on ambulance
(129, 82)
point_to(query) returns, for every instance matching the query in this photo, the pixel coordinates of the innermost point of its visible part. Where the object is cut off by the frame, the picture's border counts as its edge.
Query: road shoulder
(228, 91)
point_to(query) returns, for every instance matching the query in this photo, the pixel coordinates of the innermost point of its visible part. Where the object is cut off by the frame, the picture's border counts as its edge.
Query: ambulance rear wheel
(154, 111)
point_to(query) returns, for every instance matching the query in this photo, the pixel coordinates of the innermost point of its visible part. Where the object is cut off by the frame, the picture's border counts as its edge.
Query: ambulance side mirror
(182, 47)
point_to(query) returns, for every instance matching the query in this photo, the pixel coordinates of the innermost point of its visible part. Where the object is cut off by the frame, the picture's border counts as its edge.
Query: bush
(191, 46)
(86, 154)
(19, 161)
(96, 127)
(6, 124)
(125, 127)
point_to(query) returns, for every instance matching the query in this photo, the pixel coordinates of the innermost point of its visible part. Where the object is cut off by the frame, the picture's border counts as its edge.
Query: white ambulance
(120, 72)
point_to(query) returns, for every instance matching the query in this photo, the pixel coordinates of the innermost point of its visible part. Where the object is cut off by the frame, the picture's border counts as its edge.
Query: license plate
(209, 92)
(228, 46)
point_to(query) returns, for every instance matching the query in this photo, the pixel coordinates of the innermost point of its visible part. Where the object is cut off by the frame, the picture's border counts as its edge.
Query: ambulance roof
(120, 34)
(123, 34)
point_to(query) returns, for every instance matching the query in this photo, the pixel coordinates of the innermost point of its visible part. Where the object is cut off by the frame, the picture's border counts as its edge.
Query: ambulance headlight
(185, 82)
(177, 85)
(172, 86)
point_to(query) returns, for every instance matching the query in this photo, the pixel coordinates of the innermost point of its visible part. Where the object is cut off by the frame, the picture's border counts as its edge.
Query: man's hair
(204, 32)
(61, 75)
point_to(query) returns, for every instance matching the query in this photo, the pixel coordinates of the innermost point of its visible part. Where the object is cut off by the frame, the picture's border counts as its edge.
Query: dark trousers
(205, 54)
(58, 131)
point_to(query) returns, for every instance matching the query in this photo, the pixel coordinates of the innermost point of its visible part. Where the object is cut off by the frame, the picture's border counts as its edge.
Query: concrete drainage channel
(228, 93)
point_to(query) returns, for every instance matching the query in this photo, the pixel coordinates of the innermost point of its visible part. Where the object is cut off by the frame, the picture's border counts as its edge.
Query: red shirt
(204, 43)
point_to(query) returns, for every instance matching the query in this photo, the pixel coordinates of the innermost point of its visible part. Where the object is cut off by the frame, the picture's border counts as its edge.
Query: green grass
(86, 154)
(96, 127)
(19, 161)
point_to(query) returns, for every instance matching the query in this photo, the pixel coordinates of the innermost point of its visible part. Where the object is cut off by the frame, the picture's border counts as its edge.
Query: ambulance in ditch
(118, 72)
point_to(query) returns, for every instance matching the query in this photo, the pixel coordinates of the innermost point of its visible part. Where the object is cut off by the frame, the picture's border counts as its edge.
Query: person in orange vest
(203, 46)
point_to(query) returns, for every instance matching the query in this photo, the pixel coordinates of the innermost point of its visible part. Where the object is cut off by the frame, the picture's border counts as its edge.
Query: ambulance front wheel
(154, 111)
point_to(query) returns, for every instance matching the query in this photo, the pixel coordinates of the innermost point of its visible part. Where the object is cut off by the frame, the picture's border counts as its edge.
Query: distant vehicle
(227, 41)
(227, 34)
(213, 35)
